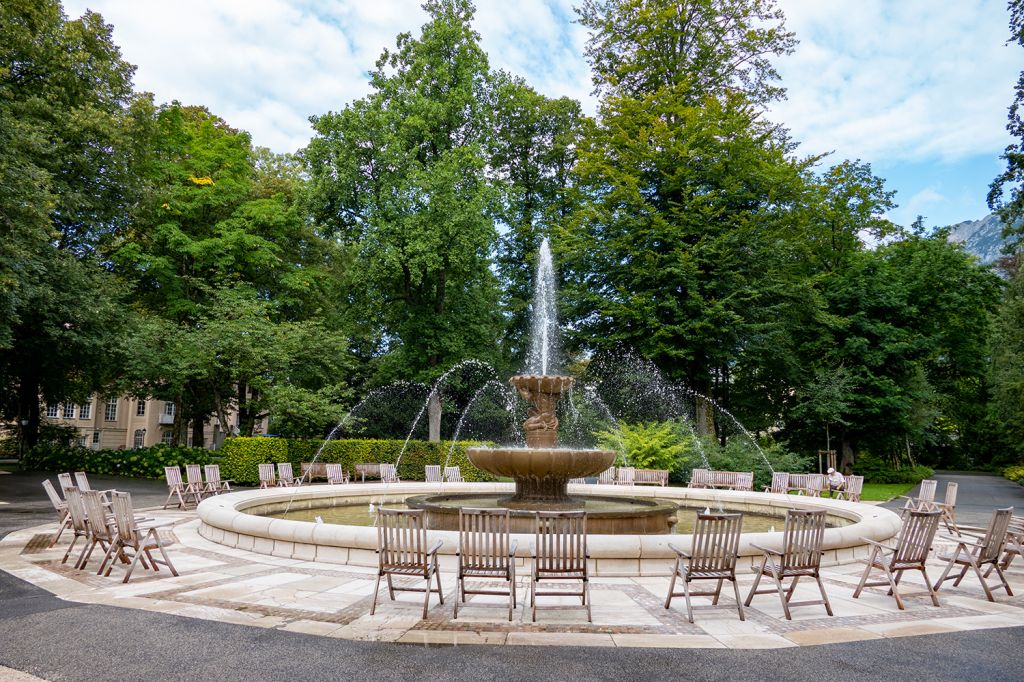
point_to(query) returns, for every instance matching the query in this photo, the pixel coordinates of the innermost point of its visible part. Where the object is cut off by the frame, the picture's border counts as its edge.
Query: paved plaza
(222, 587)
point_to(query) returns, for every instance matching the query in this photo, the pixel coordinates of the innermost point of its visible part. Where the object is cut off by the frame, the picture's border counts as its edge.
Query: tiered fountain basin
(240, 520)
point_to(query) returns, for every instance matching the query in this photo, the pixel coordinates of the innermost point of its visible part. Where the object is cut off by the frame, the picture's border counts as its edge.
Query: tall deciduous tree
(1011, 181)
(400, 177)
(1007, 371)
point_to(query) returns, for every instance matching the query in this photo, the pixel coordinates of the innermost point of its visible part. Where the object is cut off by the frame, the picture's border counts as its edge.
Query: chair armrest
(961, 541)
(513, 547)
(437, 546)
(879, 545)
(678, 551)
(766, 550)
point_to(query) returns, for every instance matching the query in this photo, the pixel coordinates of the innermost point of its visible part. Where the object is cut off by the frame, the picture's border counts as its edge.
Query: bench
(311, 470)
(365, 470)
(650, 477)
(807, 484)
(733, 480)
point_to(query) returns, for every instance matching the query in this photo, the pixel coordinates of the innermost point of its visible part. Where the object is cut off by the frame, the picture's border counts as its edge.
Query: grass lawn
(884, 491)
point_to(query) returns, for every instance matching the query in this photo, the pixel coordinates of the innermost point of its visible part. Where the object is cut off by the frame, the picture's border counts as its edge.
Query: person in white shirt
(836, 481)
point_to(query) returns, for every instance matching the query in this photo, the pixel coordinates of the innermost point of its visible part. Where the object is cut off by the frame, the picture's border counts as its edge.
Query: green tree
(400, 177)
(64, 190)
(1010, 209)
(1007, 370)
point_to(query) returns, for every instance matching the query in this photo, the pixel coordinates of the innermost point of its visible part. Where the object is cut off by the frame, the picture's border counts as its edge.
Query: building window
(81, 441)
(140, 409)
(69, 410)
(169, 409)
(51, 410)
(85, 411)
(95, 437)
(111, 413)
(140, 438)
(166, 437)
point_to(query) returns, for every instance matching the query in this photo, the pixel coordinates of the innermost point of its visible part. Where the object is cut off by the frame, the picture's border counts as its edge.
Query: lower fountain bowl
(606, 515)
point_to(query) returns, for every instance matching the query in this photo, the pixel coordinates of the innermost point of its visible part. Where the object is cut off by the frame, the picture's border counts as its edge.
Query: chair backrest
(716, 542)
(334, 472)
(915, 538)
(388, 473)
(453, 475)
(82, 479)
(802, 538)
(854, 485)
(173, 476)
(816, 482)
(432, 473)
(626, 475)
(194, 473)
(927, 493)
(484, 539)
(949, 499)
(284, 471)
(76, 508)
(267, 472)
(402, 538)
(995, 536)
(607, 476)
(700, 477)
(561, 542)
(744, 480)
(64, 480)
(124, 517)
(780, 482)
(96, 514)
(212, 473)
(58, 503)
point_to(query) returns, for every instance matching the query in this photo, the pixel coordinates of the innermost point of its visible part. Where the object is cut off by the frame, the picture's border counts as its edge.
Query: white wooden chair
(986, 551)
(388, 474)
(214, 483)
(852, 491)
(79, 524)
(744, 480)
(486, 552)
(800, 557)
(560, 554)
(626, 476)
(715, 548)
(780, 483)
(402, 551)
(101, 531)
(948, 507)
(59, 506)
(134, 537)
(925, 500)
(194, 485)
(64, 480)
(453, 475)
(285, 476)
(606, 477)
(176, 487)
(268, 475)
(432, 473)
(335, 474)
(700, 478)
(910, 553)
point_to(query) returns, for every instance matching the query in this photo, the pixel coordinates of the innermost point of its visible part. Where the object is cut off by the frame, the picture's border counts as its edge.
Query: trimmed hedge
(241, 455)
(1015, 473)
(877, 470)
(138, 463)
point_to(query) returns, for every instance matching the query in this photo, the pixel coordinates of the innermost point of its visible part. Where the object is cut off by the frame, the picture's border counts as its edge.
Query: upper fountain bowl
(553, 385)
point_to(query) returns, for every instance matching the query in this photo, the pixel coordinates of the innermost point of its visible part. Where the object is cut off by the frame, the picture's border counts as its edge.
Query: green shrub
(1015, 473)
(646, 445)
(138, 463)
(877, 470)
(241, 457)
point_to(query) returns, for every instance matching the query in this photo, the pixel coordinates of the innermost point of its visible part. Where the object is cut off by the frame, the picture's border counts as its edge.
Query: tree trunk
(28, 410)
(434, 417)
(179, 432)
(705, 417)
(198, 426)
(246, 415)
(847, 456)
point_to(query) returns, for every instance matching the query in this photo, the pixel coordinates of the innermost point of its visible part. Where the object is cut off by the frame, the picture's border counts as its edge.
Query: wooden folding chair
(268, 476)
(560, 554)
(194, 485)
(700, 478)
(64, 480)
(59, 506)
(214, 483)
(79, 524)
(626, 476)
(134, 537)
(402, 551)
(175, 487)
(948, 507)
(388, 474)
(744, 480)
(335, 474)
(780, 483)
(986, 551)
(909, 554)
(925, 500)
(800, 557)
(852, 491)
(285, 476)
(432, 473)
(453, 475)
(715, 547)
(1014, 546)
(101, 530)
(485, 552)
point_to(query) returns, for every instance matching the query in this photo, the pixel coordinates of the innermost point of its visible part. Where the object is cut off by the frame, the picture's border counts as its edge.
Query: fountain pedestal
(541, 470)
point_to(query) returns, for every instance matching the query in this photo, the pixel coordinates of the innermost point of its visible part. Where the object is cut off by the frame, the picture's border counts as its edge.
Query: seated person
(836, 481)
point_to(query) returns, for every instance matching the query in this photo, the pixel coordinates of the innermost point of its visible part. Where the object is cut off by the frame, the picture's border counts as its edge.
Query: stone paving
(231, 585)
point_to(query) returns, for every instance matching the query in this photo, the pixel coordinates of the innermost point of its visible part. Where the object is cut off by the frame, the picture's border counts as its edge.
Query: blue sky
(917, 88)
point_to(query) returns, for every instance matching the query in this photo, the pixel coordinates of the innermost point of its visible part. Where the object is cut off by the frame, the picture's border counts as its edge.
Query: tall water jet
(545, 349)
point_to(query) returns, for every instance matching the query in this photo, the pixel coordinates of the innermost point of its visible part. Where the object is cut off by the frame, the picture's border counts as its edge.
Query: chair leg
(686, 595)
(928, 585)
(533, 597)
(586, 599)
(959, 578)
(981, 579)
(736, 591)
(1002, 579)
(718, 591)
(757, 581)
(672, 585)
(867, 572)
(440, 592)
(945, 573)
(792, 588)
(894, 587)
(460, 589)
(64, 523)
(167, 559)
(824, 597)
(511, 595)
(426, 597)
(782, 593)
(376, 589)
(138, 555)
(391, 587)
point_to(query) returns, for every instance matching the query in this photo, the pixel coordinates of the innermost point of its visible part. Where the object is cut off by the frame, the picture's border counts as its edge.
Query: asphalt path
(977, 496)
(59, 640)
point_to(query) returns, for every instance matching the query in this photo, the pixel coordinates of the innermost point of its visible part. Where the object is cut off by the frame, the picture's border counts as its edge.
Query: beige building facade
(127, 422)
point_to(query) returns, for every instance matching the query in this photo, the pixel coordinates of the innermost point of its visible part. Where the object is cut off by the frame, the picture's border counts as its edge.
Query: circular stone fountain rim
(223, 519)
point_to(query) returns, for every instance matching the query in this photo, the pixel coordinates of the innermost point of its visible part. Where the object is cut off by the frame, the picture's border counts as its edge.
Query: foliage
(646, 445)
(1007, 369)
(1015, 473)
(241, 457)
(138, 463)
(877, 470)
(1011, 209)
